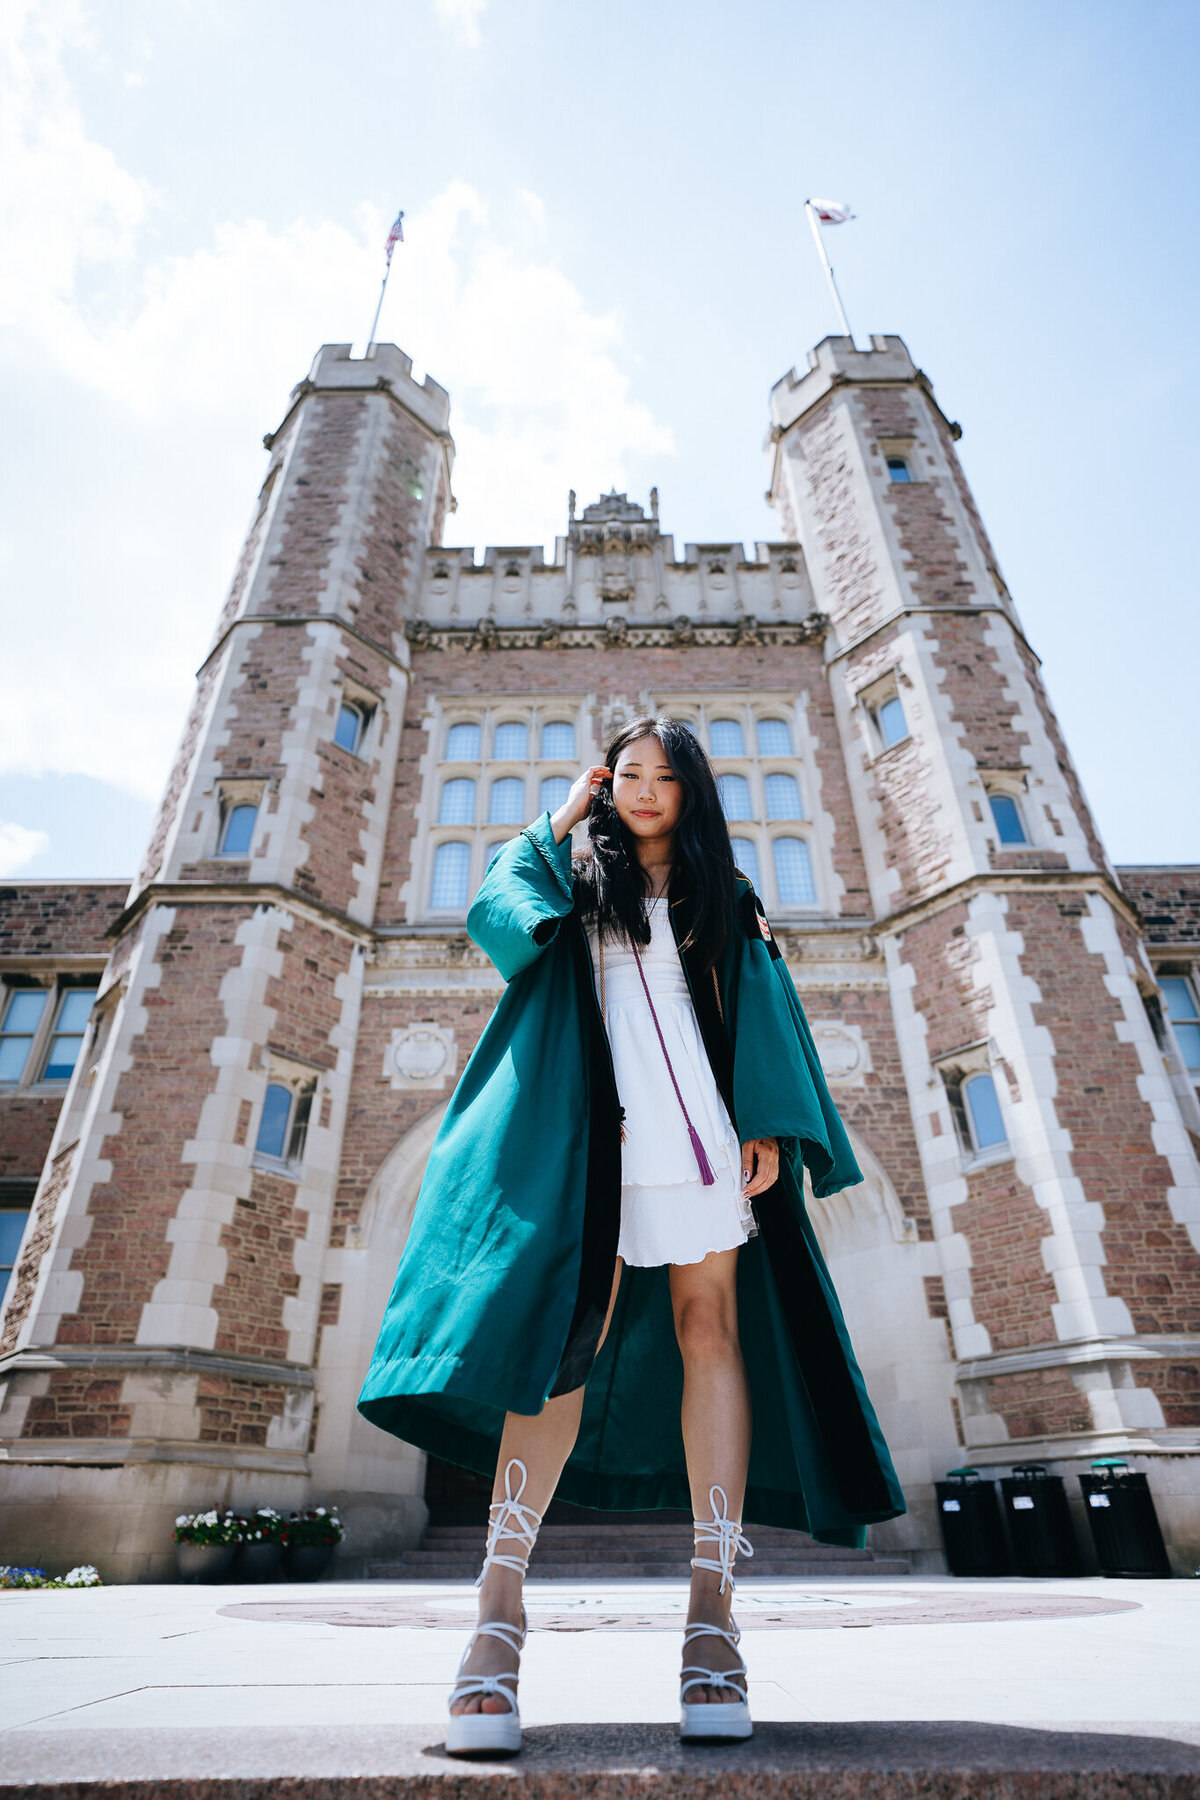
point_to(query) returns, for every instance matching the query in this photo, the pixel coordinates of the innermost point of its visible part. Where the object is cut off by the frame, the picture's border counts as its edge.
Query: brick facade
(183, 1285)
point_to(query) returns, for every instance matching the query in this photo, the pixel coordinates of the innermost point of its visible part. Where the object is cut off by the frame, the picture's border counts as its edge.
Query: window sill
(275, 1165)
(983, 1159)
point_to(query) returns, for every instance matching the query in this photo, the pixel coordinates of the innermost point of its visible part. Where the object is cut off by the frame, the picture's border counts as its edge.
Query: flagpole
(828, 268)
(395, 236)
(379, 307)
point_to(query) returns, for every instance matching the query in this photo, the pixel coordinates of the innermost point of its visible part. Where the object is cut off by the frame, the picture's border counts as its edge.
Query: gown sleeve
(779, 1085)
(523, 898)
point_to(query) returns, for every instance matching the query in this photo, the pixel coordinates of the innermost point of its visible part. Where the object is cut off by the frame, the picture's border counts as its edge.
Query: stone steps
(606, 1552)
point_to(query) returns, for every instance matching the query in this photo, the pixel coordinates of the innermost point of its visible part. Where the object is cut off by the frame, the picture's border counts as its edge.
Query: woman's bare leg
(716, 1430)
(543, 1441)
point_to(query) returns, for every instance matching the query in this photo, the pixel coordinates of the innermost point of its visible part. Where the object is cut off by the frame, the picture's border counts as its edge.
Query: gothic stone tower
(1061, 1179)
(292, 994)
(166, 1314)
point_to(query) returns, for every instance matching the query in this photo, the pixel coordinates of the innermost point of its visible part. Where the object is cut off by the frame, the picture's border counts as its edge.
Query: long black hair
(614, 888)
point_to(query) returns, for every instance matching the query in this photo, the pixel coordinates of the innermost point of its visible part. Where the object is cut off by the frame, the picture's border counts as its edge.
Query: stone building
(278, 1007)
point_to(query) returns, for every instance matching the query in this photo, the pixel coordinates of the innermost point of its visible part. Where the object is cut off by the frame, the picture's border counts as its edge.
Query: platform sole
(716, 1721)
(484, 1734)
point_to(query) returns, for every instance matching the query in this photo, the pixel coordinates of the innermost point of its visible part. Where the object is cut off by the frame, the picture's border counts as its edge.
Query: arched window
(462, 744)
(774, 737)
(451, 866)
(506, 802)
(22, 1016)
(1184, 1016)
(351, 722)
(735, 796)
(783, 797)
(458, 802)
(14, 1216)
(891, 721)
(553, 793)
(283, 1126)
(1009, 826)
(273, 1125)
(725, 736)
(239, 829)
(69, 1027)
(793, 872)
(558, 740)
(898, 469)
(745, 855)
(511, 743)
(983, 1111)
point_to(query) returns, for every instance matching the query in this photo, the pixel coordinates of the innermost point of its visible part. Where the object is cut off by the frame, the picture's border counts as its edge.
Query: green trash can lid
(1110, 1462)
(962, 1474)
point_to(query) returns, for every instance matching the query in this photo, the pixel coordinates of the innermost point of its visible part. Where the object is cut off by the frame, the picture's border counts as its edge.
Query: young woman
(610, 1272)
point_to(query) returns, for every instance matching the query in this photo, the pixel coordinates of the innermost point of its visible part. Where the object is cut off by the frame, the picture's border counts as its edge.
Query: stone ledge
(844, 1761)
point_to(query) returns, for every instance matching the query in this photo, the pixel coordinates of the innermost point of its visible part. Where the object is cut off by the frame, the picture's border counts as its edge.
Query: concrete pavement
(857, 1687)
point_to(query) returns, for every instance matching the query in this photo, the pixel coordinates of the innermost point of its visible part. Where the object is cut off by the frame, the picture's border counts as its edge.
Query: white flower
(85, 1575)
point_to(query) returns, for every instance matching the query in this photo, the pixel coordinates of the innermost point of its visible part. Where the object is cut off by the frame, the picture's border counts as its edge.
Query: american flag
(395, 236)
(831, 212)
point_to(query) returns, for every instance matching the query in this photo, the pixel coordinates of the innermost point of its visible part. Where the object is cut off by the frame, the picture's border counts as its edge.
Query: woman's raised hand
(577, 802)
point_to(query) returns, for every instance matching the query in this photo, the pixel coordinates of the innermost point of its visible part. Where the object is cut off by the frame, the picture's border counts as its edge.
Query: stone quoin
(265, 1028)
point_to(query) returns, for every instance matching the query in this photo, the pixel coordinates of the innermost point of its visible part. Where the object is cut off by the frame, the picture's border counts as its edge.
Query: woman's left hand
(760, 1160)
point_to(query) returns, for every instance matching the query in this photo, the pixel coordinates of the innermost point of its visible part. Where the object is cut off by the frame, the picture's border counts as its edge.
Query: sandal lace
(701, 1677)
(464, 1685)
(509, 1518)
(723, 1532)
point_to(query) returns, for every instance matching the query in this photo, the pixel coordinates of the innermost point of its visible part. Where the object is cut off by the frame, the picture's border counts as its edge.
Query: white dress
(667, 1214)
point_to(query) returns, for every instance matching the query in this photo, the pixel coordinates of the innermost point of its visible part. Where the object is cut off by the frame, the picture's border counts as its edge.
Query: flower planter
(257, 1562)
(204, 1562)
(307, 1562)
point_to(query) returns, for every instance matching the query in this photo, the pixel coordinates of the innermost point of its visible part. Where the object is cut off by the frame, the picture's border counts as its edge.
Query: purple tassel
(706, 1174)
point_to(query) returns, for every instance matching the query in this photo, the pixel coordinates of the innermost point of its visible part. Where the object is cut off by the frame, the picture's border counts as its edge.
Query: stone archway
(377, 1481)
(879, 1267)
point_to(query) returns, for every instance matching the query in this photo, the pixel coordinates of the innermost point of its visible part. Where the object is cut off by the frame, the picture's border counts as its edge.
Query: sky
(607, 264)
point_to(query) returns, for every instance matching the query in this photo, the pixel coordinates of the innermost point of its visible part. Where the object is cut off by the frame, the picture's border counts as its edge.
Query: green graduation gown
(504, 1282)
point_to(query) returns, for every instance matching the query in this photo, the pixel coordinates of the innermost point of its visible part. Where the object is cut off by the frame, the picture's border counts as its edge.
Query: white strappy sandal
(498, 1733)
(716, 1718)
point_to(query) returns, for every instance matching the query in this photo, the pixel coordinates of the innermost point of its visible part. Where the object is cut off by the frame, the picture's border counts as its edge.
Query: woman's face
(647, 794)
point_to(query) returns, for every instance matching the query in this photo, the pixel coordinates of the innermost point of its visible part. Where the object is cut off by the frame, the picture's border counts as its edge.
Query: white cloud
(463, 17)
(18, 846)
(156, 375)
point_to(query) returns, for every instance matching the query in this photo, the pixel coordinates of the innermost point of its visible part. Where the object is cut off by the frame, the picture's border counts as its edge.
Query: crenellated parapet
(613, 564)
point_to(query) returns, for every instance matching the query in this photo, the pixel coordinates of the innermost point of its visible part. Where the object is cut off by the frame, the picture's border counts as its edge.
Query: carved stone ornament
(616, 633)
(843, 1052)
(424, 1056)
(618, 712)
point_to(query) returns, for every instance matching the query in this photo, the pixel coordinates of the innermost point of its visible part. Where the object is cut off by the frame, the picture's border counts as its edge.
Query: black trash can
(972, 1531)
(1039, 1522)
(1124, 1524)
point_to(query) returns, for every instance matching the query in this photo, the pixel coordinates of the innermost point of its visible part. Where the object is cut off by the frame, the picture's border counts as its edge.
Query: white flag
(831, 212)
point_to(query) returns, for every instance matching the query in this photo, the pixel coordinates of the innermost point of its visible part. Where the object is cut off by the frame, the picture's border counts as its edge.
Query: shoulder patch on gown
(754, 921)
